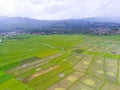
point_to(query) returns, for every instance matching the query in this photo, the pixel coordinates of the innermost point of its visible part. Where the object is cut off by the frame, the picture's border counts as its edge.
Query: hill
(85, 25)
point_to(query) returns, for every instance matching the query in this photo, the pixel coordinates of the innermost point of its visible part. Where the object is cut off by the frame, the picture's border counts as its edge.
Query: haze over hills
(19, 24)
(104, 19)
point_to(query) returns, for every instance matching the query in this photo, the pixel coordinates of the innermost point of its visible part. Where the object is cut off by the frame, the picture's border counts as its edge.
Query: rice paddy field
(60, 62)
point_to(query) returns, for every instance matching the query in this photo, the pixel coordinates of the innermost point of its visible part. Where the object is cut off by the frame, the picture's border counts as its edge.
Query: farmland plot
(60, 62)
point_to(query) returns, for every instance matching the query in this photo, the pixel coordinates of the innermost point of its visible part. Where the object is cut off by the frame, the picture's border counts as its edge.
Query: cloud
(59, 9)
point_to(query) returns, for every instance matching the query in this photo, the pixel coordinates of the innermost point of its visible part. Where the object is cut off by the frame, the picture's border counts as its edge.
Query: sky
(59, 9)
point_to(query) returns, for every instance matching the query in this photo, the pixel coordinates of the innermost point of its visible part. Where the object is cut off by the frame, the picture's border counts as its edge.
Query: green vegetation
(41, 46)
(60, 62)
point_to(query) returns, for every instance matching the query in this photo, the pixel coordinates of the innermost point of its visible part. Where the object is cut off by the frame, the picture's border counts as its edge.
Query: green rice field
(60, 62)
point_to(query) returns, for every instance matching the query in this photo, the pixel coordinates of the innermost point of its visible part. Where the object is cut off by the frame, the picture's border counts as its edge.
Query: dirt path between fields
(32, 64)
(37, 74)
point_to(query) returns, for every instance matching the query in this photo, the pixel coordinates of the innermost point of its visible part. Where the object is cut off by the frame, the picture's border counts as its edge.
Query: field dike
(39, 73)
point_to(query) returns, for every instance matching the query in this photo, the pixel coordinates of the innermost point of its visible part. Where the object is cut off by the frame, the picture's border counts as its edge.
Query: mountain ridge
(27, 24)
